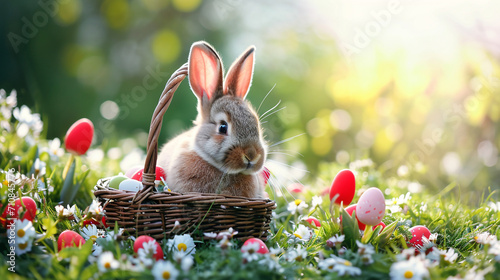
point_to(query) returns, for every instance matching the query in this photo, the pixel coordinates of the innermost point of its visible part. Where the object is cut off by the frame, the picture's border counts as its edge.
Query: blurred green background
(414, 87)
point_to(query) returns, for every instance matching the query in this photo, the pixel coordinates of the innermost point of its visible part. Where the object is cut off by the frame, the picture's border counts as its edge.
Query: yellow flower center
(347, 263)
(166, 275)
(107, 265)
(330, 267)
(21, 233)
(408, 274)
(93, 237)
(476, 237)
(298, 235)
(298, 201)
(182, 247)
(23, 246)
(5, 183)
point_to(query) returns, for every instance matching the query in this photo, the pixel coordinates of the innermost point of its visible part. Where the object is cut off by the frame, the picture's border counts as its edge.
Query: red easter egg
(351, 209)
(160, 173)
(343, 187)
(417, 233)
(15, 211)
(139, 243)
(79, 137)
(312, 220)
(262, 246)
(93, 221)
(69, 238)
(265, 173)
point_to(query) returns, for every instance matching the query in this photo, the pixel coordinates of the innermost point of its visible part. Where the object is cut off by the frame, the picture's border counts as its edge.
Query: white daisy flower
(164, 270)
(23, 231)
(186, 264)
(250, 251)
(327, 264)
(450, 255)
(111, 235)
(54, 150)
(106, 262)
(91, 232)
(406, 254)
(433, 237)
(182, 243)
(298, 254)
(485, 238)
(414, 268)
(147, 250)
(335, 241)
(302, 233)
(271, 263)
(346, 268)
(95, 208)
(274, 252)
(210, 235)
(495, 206)
(224, 244)
(67, 212)
(297, 205)
(40, 168)
(96, 250)
(23, 247)
(316, 201)
(365, 249)
(495, 250)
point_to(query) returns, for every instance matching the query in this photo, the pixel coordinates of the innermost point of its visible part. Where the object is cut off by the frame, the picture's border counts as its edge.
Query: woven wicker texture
(153, 213)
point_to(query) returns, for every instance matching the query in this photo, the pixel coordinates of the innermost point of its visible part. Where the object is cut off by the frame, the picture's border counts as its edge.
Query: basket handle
(149, 175)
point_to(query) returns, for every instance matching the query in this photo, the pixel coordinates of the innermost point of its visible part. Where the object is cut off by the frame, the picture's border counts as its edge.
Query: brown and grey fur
(203, 160)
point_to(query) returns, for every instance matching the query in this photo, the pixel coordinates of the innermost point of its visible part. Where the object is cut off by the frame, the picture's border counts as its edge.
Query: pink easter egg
(371, 207)
(343, 187)
(417, 233)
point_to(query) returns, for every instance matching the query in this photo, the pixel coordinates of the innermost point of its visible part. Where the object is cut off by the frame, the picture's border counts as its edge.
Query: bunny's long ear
(239, 76)
(205, 71)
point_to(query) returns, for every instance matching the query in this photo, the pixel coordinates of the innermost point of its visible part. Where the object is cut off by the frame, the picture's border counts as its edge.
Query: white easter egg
(371, 207)
(130, 185)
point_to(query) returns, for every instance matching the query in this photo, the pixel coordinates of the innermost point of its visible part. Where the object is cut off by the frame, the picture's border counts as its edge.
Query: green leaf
(69, 190)
(350, 228)
(384, 236)
(49, 226)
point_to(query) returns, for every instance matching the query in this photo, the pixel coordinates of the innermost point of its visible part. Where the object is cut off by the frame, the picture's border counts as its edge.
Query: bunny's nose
(251, 157)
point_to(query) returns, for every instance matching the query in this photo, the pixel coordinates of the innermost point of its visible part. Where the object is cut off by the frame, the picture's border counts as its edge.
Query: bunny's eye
(223, 127)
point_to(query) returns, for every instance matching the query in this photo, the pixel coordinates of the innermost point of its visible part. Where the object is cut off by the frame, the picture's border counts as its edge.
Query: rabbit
(225, 151)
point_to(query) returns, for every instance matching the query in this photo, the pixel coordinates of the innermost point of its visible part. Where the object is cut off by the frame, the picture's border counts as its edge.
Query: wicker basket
(153, 213)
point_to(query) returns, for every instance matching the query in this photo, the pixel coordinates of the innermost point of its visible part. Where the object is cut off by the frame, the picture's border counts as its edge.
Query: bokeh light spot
(340, 119)
(186, 5)
(166, 46)
(321, 145)
(451, 163)
(69, 11)
(109, 110)
(117, 13)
